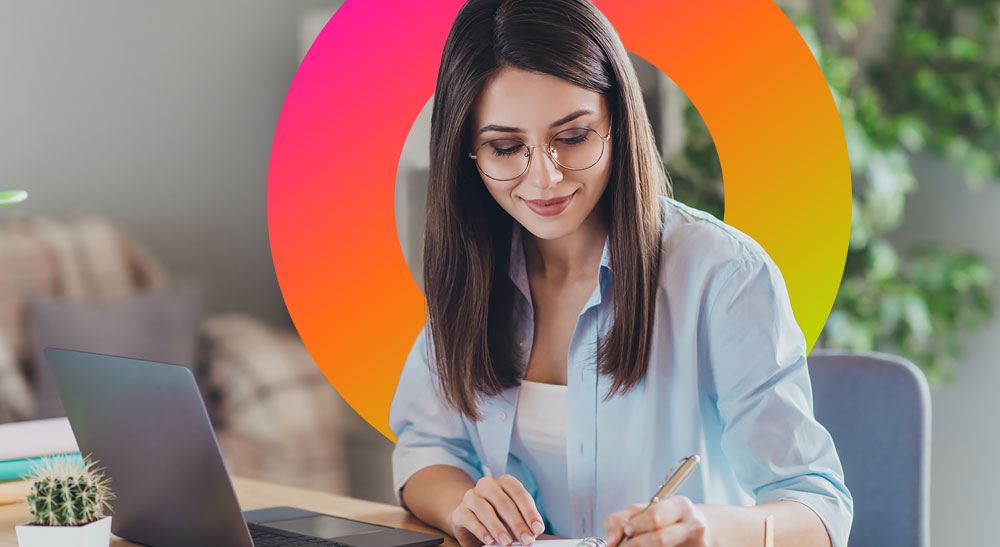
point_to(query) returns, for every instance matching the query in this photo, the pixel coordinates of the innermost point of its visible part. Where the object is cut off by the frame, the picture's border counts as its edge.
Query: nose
(543, 172)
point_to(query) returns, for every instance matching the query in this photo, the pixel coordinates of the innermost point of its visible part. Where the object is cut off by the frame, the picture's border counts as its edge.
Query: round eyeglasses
(574, 149)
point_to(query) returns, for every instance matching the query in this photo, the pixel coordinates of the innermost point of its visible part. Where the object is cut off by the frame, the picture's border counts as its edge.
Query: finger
(659, 515)
(673, 535)
(615, 522)
(486, 515)
(468, 520)
(507, 510)
(525, 503)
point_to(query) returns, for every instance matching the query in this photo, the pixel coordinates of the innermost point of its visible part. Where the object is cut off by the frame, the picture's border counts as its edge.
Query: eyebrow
(560, 121)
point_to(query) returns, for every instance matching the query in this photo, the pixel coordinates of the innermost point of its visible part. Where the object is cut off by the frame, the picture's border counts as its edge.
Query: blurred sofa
(84, 283)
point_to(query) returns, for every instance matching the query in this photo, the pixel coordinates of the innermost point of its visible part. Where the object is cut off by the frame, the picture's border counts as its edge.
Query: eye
(504, 147)
(571, 136)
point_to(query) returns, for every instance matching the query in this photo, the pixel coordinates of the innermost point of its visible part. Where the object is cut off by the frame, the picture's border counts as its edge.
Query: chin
(549, 230)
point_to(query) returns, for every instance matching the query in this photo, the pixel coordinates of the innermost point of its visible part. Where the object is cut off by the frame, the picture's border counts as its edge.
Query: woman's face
(547, 200)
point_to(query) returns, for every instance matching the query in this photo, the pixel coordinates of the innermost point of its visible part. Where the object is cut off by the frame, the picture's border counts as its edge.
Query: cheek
(598, 182)
(501, 194)
(605, 173)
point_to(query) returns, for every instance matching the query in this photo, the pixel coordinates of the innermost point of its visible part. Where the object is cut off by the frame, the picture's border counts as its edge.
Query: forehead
(531, 100)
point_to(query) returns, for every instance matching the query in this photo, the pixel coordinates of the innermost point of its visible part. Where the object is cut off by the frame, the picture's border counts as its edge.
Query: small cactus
(67, 493)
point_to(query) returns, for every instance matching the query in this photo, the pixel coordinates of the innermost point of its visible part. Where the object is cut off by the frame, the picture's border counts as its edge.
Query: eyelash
(504, 152)
(577, 139)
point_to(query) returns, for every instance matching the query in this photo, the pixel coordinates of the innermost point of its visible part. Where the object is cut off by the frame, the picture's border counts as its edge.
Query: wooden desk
(255, 494)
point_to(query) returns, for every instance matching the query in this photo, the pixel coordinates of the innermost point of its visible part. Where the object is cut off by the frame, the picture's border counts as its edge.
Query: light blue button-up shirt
(727, 379)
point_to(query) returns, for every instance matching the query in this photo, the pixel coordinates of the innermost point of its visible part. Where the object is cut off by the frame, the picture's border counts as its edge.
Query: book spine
(14, 492)
(16, 470)
(36, 438)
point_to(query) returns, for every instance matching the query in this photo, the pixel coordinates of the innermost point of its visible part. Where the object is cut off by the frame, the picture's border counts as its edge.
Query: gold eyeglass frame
(550, 151)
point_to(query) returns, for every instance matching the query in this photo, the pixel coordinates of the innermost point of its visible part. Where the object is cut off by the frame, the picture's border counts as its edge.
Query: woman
(583, 332)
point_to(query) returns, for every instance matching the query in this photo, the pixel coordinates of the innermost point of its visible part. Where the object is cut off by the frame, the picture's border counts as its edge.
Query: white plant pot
(95, 534)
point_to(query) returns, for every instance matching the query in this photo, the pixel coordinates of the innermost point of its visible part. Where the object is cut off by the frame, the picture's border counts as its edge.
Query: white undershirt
(539, 441)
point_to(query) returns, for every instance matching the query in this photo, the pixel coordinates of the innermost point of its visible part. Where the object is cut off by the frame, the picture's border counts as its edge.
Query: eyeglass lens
(505, 159)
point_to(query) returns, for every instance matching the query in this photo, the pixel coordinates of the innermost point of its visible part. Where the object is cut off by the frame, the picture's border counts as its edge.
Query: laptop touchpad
(323, 526)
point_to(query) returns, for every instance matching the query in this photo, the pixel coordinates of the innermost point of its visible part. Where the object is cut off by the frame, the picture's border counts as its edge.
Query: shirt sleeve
(757, 352)
(427, 432)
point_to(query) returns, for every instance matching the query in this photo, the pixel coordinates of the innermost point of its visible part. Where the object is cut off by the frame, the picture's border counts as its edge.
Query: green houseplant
(929, 85)
(68, 499)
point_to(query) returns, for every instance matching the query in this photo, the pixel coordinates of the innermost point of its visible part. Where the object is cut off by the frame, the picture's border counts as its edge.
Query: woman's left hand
(673, 522)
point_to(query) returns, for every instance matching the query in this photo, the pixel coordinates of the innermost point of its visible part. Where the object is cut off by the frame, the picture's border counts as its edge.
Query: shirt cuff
(835, 514)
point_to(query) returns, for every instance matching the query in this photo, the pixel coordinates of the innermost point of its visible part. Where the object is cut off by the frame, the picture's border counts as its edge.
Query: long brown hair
(467, 235)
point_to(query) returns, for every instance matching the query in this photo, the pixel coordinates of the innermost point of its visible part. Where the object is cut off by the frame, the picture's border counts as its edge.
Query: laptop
(146, 425)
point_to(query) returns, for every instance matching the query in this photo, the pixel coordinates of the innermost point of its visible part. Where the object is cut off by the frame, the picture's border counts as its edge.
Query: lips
(549, 207)
(548, 202)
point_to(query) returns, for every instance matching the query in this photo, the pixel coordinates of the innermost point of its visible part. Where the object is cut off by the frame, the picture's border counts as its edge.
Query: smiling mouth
(548, 202)
(549, 207)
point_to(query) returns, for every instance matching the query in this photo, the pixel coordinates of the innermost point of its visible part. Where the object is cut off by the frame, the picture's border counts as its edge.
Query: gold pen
(681, 471)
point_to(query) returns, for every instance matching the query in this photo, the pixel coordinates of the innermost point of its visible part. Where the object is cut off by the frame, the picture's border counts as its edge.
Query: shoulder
(718, 282)
(696, 247)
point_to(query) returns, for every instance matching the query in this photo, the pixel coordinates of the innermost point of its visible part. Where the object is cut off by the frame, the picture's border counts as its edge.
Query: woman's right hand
(494, 512)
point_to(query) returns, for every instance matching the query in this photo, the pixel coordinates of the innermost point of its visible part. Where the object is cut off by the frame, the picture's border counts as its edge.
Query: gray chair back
(877, 408)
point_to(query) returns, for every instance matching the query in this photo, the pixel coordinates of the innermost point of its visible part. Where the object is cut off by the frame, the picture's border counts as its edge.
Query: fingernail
(628, 529)
(537, 527)
(526, 539)
(487, 540)
(505, 539)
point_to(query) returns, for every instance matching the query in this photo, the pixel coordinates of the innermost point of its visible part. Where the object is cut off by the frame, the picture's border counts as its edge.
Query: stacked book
(24, 444)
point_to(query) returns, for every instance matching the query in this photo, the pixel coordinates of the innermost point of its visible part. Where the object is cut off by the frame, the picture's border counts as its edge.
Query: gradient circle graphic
(350, 107)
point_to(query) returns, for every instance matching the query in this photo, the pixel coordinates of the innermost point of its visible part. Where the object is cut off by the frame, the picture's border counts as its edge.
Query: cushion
(158, 325)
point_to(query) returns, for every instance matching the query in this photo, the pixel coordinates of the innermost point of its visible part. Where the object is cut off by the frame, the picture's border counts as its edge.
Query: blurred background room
(142, 133)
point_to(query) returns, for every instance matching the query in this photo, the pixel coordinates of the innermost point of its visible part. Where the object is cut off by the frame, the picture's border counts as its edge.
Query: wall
(965, 434)
(161, 115)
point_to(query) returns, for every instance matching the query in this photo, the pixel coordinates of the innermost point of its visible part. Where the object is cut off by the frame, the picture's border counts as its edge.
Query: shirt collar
(519, 271)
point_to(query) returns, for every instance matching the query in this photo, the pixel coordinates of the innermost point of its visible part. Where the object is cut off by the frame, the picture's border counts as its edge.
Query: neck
(575, 255)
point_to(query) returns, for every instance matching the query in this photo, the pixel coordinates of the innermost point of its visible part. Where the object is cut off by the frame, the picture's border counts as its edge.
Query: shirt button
(502, 415)
(520, 344)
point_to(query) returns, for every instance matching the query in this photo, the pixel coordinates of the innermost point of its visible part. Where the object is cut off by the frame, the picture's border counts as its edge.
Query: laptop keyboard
(271, 537)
